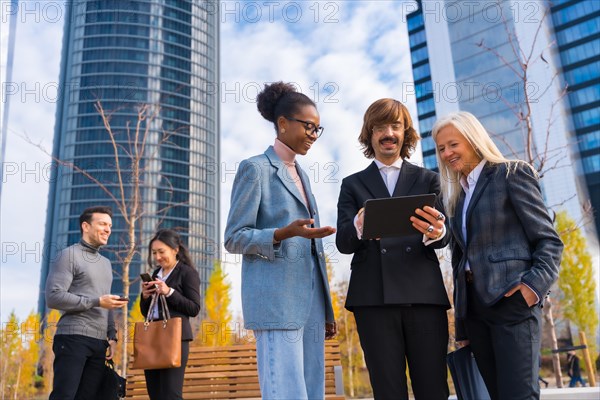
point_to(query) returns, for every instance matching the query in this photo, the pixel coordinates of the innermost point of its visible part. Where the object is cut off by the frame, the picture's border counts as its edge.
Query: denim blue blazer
(276, 278)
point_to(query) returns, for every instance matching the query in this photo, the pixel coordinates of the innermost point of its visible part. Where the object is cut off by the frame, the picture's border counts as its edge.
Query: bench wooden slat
(230, 372)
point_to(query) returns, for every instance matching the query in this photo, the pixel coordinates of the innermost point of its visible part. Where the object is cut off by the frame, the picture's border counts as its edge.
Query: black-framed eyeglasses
(309, 127)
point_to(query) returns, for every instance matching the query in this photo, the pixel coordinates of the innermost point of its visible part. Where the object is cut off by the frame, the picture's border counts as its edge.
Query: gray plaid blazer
(510, 239)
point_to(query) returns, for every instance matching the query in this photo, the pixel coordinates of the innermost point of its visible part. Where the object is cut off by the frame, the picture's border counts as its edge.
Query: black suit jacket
(185, 301)
(391, 270)
(510, 239)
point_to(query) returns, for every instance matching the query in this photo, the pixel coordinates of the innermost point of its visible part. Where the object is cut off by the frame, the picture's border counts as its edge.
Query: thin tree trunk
(588, 361)
(555, 356)
(16, 392)
(3, 378)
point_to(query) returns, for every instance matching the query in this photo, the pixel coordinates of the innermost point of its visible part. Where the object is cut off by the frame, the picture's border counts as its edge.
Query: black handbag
(113, 385)
(467, 379)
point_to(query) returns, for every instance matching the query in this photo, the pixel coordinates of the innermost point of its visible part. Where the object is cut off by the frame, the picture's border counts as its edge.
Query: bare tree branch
(69, 165)
(128, 200)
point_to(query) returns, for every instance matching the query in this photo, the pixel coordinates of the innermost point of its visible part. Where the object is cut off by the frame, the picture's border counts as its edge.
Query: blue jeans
(291, 362)
(575, 379)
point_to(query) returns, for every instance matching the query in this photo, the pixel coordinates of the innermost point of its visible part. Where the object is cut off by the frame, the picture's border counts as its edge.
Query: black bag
(113, 385)
(467, 379)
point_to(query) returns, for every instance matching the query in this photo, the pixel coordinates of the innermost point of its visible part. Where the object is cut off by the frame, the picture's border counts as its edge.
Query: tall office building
(577, 30)
(125, 53)
(10, 58)
(466, 56)
(426, 109)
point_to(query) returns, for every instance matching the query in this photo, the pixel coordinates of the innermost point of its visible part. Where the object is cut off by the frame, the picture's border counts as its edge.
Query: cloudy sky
(343, 54)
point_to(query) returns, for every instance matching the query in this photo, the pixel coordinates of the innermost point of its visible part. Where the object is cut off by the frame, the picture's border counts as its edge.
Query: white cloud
(364, 56)
(25, 190)
(344, 65)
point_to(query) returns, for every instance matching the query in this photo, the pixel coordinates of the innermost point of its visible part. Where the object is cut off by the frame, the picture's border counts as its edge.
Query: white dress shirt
(390, 174)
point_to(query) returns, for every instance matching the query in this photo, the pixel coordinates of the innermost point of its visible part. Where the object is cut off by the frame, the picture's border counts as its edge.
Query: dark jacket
(185, 301)
(574, 370)
(389, 271)
(510, 239)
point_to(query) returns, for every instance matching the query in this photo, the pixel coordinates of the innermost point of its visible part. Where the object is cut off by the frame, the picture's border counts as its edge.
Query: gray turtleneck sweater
(78, 276)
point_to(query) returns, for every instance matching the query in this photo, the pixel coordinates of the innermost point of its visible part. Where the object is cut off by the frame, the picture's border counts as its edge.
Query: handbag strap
(165, 309)
(163, 305)
(150, 309)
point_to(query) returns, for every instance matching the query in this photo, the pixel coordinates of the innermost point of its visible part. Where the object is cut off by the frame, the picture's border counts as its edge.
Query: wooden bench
(231, 373)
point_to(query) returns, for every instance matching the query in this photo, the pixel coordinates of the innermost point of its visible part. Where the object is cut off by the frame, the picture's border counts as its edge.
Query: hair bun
(266, 101)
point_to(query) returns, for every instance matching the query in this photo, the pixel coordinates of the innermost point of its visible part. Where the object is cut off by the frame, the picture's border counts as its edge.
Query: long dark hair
(173, 240)
(281, 99)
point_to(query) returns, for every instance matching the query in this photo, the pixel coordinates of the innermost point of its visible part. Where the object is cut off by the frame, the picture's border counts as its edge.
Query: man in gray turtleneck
(78, 284)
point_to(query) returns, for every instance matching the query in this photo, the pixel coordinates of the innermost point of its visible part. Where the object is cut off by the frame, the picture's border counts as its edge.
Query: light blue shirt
(468, 184)
(154, 312)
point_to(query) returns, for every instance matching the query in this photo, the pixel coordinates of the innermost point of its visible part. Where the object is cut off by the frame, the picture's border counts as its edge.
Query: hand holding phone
(147, 290)
(123, 298)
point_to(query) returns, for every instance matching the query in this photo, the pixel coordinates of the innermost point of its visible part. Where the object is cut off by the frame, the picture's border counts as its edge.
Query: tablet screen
(390, 217)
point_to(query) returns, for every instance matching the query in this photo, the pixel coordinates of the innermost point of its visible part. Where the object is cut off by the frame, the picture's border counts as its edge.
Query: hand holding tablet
(391, 217)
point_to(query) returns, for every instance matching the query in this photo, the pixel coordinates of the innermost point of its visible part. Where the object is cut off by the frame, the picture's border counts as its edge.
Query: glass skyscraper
(127, 53)
(577, 30)
(423, 88)
(471, 62)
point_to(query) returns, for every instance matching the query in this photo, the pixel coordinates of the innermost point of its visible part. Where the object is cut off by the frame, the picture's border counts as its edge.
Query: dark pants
(391, 336)
(78, 367)
(167, 384)
(575, 379)
(505, 339)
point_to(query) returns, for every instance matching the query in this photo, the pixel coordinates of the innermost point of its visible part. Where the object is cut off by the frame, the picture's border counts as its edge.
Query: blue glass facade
(127, 53)
(484, 68)
(488, 86)
(483, 85)
(577, 30)
(423, 85)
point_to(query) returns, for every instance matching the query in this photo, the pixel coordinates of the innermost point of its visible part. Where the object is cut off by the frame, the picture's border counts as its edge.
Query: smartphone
(123, 298)
(146, 277)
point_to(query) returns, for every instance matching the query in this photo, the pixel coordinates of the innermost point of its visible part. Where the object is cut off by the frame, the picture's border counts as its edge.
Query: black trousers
(505, 339)
(78, 367)
(167, 384)
(391, 337)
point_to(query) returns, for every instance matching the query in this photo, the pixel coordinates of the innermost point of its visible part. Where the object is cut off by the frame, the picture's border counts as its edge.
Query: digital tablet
(390, 217)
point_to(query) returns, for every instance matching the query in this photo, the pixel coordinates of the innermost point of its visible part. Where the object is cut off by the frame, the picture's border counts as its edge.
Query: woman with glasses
(273, 222)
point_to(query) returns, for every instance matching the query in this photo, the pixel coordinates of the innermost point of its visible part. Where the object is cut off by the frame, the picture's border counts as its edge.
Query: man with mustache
(396, 290)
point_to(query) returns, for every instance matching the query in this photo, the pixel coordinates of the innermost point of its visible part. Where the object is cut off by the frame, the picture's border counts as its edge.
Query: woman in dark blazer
(505, 254)
(179, 281)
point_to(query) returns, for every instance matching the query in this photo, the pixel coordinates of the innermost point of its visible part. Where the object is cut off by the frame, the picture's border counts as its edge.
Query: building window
(421, 72)
(582, 74)
(585, 96)
(416, 38)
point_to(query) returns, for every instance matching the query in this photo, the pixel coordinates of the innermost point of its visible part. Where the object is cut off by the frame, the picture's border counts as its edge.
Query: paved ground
(580, 393)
